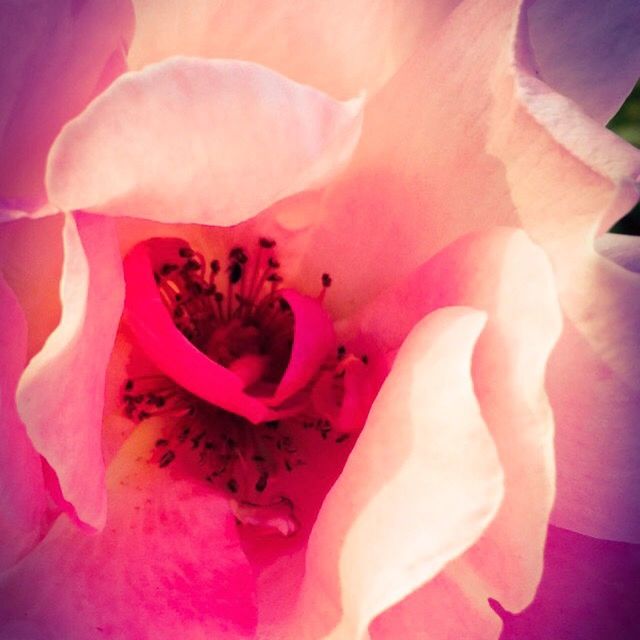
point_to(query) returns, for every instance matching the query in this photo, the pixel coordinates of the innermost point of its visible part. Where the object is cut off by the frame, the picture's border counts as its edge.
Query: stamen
(241, 321)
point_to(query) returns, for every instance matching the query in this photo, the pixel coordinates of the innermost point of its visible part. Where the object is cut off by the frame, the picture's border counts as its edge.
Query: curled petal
(487, 271)
(313, 340)
(56, 57)
(61, 393)
(229, 138)
(22, 491)
(594, 372)
(421, 485)
(168, 564)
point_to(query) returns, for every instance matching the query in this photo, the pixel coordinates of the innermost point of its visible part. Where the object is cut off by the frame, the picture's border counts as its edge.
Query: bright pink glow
(168, 349)
(168, 564)
(174, 355)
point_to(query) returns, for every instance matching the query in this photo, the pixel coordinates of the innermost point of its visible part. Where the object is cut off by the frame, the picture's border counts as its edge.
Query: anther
(267, 243)
(261, 484)
(167, 458)
(235, 272)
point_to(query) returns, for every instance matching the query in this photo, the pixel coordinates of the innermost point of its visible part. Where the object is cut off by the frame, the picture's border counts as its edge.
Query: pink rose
(380, 144)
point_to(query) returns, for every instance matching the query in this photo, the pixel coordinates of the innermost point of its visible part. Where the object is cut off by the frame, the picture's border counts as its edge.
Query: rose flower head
(306, 329)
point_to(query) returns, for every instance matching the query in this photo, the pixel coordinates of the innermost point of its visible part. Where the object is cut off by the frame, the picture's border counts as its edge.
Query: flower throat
(239, 318)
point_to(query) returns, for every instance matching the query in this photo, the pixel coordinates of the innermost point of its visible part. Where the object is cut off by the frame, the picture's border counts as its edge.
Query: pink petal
(56, 57)
(313, 340)
(340, 47)
(594, 372)
(22, 492)
(588, 51)
(513, 152)
(487, 271)
(229, 138)
(167, 565)
(421, 485)
(61, 393)
(421, 170)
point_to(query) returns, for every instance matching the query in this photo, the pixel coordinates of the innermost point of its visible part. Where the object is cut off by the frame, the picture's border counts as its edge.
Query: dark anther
(197, 439)
(272, 424)
(178, 312)
(238, 254)
(231, 443)
(218, 296)
(274, 277)
(168, 268)
(284, 305)
(342, 352)
(209, 445)
(232, 485)
(195, 287)
(162, 442)
(326, 280)
(128, 385)
(342, 438)
(156, 277)
(157, 401)
(365, 359)
(287, 465)
(186, 252)
(192, 265)
(258, 458)
(235, 272)
(167, 459)
(261, 485)
(273, 263)
(267, 243)
(215, 266)
(184, 434)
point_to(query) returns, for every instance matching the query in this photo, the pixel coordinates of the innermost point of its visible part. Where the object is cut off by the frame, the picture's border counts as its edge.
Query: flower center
(243, 320)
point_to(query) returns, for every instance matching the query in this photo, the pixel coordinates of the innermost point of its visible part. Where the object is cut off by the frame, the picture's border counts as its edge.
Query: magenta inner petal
(167, 348)
(313, 340)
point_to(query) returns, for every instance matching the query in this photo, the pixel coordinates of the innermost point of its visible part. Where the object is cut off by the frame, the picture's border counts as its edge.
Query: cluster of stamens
(228, 315)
